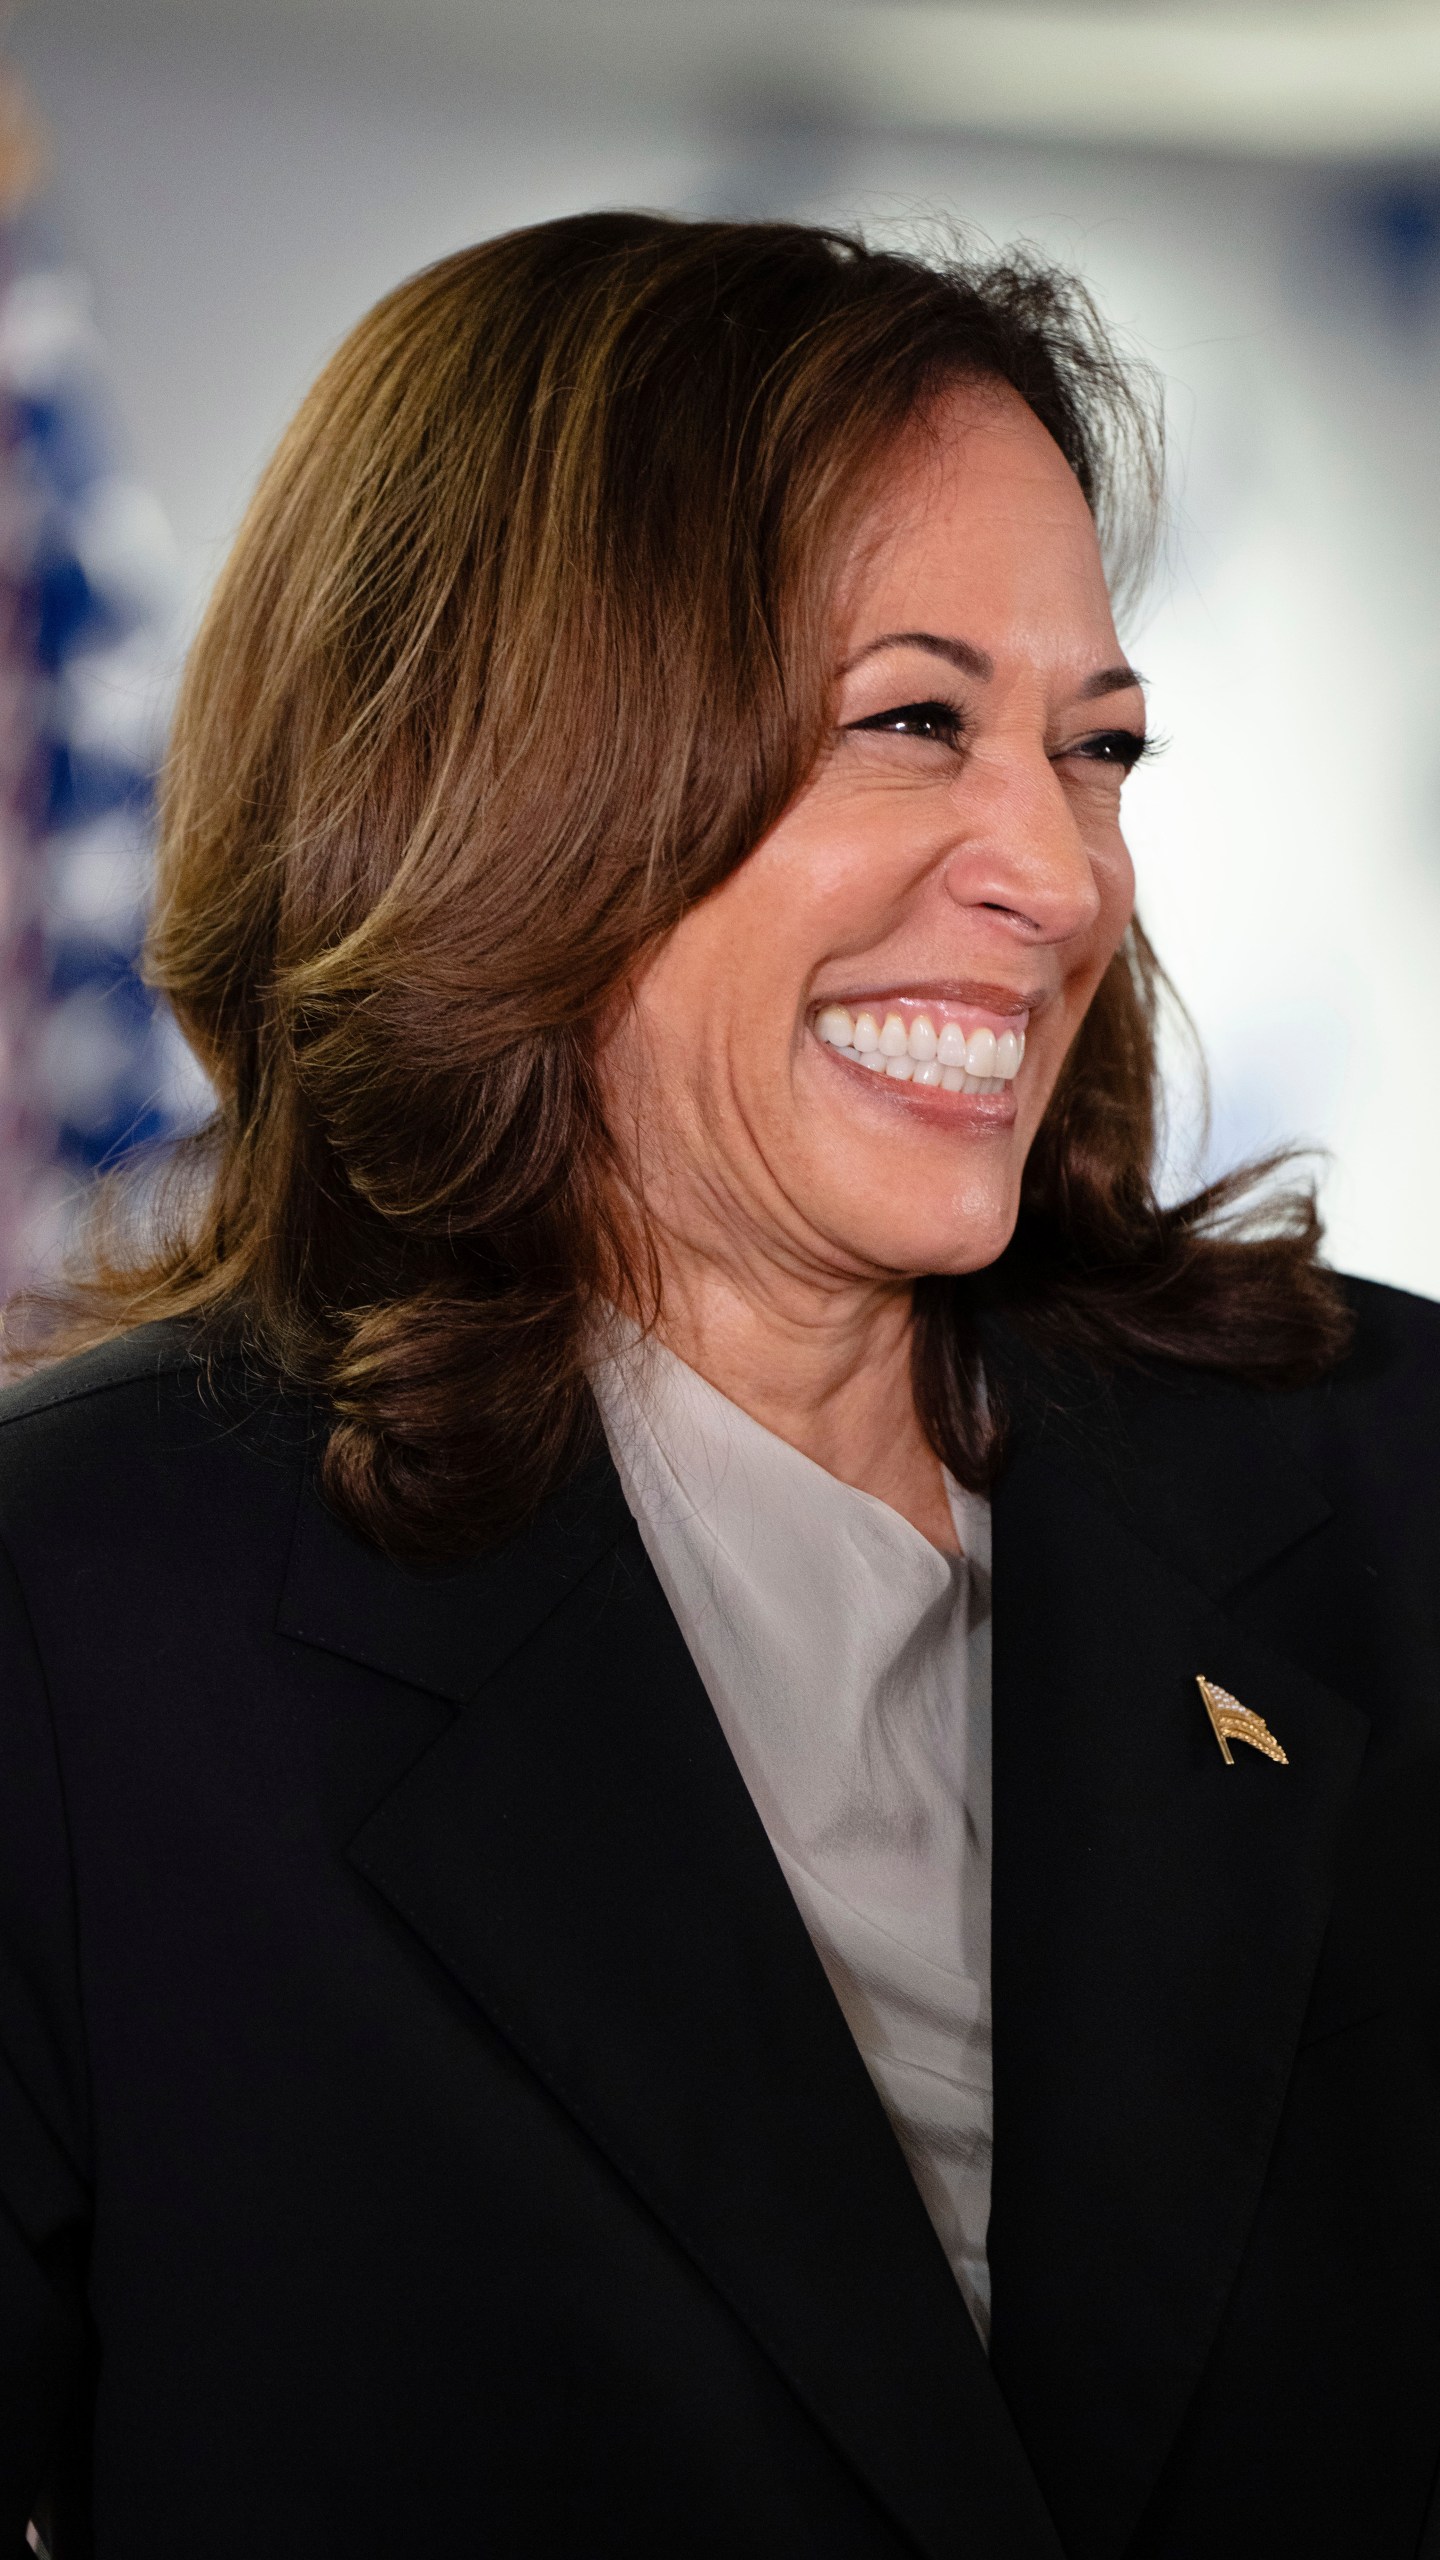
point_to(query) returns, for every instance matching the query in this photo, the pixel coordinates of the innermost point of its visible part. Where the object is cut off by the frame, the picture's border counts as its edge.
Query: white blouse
(848, 1662)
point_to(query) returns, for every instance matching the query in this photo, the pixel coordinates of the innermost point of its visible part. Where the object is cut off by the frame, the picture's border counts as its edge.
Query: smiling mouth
(916, 1041)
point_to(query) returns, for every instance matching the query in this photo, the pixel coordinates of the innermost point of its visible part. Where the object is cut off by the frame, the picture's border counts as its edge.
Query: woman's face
(838, 1061)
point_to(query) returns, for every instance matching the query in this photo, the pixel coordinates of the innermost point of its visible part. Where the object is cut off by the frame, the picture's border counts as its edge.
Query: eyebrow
(1121, 679)
(979, 664)
(956, 653)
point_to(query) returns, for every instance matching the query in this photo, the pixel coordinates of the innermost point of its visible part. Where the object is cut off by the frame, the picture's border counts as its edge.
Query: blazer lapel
(580, 1852)
(1157, 1918)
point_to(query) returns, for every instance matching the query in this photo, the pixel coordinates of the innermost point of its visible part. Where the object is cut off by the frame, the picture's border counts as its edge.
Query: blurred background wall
(1255, 197)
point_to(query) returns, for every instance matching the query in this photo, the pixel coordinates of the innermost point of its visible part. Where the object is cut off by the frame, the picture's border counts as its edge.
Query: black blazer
(424, 2124)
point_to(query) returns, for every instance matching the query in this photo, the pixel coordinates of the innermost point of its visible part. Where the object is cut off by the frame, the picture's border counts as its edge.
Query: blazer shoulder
(148, 1352)
(120, 1418)
(1395, 1350)
(1370, 1428)
(1378, 1303)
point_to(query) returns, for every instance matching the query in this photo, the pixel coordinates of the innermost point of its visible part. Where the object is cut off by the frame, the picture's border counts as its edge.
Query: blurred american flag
(88, 1068)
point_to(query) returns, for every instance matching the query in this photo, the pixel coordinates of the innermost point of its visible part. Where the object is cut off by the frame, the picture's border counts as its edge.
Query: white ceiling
(1285, 78)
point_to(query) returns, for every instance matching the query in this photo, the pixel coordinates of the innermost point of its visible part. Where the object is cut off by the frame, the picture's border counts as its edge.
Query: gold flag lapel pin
(1233, 1723)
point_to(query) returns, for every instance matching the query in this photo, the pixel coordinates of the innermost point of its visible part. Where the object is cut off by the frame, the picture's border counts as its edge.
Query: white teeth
(915, 1051)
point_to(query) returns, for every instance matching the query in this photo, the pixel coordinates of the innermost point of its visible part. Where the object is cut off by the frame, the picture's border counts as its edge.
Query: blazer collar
(581, 1853)
(1157, 1915)
(445, 1628)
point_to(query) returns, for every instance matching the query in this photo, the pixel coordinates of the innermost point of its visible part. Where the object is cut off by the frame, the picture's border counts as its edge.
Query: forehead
(977, 505)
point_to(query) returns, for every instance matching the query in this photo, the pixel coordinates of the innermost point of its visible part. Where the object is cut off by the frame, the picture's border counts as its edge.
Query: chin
(901, 1238)
(912, 1183)
(975, 1250)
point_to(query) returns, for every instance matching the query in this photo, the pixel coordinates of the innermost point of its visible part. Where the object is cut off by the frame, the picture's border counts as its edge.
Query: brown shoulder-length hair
(524, 643)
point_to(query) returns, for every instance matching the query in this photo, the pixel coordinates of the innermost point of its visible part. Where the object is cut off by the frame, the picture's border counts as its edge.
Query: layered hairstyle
(525, 642)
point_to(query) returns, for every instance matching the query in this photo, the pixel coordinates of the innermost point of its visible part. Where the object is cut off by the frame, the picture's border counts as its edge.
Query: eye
(1122, 749)
(938, 723)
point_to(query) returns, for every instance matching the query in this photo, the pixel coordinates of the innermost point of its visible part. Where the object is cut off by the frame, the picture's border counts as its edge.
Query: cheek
(1115, 879)
(714, 1011)
(1114, 876)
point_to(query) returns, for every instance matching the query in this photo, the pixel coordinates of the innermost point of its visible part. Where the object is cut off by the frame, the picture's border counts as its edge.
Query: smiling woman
(531, 639)
(621, 1928)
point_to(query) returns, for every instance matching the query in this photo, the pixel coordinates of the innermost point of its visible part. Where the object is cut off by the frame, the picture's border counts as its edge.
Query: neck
(824, 1366)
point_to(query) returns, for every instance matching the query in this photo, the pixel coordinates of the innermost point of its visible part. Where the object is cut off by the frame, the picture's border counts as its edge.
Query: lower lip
(930, 1101)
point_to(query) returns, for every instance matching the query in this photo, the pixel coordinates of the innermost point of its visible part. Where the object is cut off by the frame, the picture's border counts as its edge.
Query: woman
(501, 1935)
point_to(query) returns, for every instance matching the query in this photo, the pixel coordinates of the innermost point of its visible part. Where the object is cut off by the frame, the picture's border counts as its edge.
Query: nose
(1023, 855)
